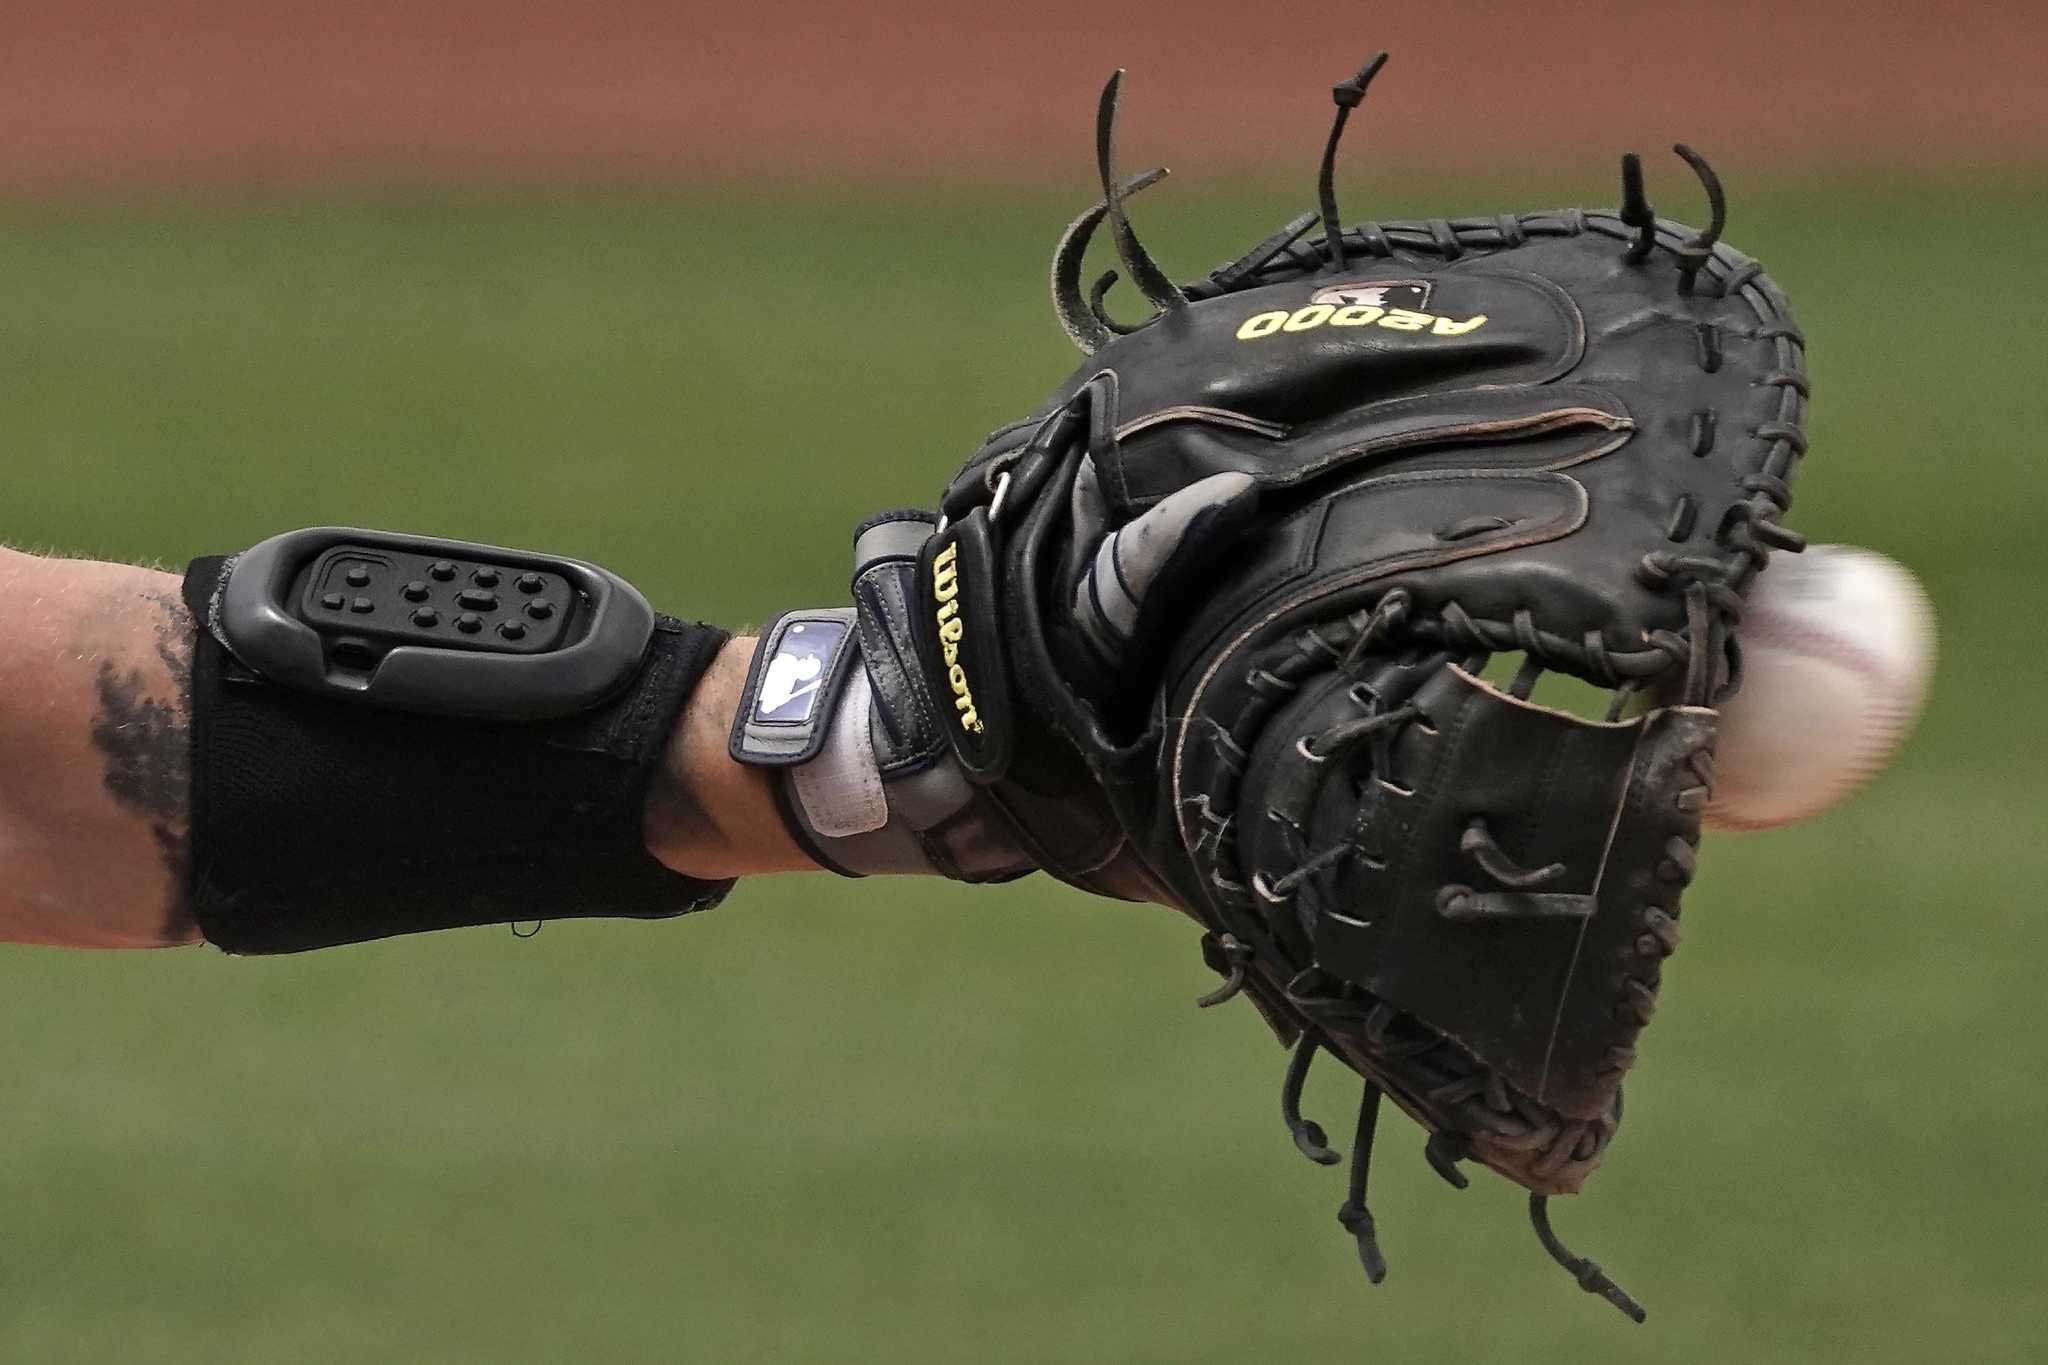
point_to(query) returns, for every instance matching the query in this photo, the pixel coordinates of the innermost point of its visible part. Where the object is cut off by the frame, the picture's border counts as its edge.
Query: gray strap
(841, 789)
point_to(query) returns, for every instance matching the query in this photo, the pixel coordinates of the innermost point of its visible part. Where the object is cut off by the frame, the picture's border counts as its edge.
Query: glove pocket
(1550, 426)
(1526, 882)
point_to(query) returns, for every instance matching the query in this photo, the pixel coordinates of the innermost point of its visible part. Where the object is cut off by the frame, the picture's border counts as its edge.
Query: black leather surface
(1531, 441)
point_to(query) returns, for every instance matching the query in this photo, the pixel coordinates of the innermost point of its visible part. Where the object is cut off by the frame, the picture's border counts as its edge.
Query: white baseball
(1838, 646)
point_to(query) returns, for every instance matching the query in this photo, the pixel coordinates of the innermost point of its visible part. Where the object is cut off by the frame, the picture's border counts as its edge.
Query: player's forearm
(708, 816)
(95, 738)
(95, 682)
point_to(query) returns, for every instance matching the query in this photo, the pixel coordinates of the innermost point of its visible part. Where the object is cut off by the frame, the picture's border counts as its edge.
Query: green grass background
(907, 1122)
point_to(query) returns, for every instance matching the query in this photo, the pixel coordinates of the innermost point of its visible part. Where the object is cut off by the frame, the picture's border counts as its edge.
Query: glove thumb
(1130, 577)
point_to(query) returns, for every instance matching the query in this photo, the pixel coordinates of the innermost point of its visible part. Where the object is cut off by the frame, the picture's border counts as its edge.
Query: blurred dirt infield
(149, 92)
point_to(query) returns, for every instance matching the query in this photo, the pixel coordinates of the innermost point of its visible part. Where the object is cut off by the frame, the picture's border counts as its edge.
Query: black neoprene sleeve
(318, 822)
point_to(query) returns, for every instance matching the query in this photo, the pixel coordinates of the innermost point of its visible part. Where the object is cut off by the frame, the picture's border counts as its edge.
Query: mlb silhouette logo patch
(1412, 295)
(802, 662)
(792, 687)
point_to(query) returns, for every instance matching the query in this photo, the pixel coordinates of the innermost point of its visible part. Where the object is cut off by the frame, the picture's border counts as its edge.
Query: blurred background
(617, 279)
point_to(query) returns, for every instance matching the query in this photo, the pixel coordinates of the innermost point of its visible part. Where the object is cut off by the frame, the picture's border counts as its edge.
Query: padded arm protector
(319, 820)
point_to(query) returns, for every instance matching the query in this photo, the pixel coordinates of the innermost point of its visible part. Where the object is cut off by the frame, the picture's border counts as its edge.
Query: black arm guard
(319, 820)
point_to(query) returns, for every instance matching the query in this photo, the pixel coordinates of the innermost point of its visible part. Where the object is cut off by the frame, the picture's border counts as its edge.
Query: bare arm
(95, 733)
(95, 668)
(708, 816)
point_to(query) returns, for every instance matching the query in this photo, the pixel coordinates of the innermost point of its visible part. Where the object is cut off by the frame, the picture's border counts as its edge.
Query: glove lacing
(1704, 654)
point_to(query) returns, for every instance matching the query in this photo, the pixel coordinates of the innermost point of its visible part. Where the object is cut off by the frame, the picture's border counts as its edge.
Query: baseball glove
(1251, 617)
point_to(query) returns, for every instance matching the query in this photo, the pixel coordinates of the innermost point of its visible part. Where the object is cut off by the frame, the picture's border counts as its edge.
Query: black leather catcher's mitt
(1213, 628)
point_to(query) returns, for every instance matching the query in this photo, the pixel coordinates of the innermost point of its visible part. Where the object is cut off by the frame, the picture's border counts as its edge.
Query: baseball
(1838, 646)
